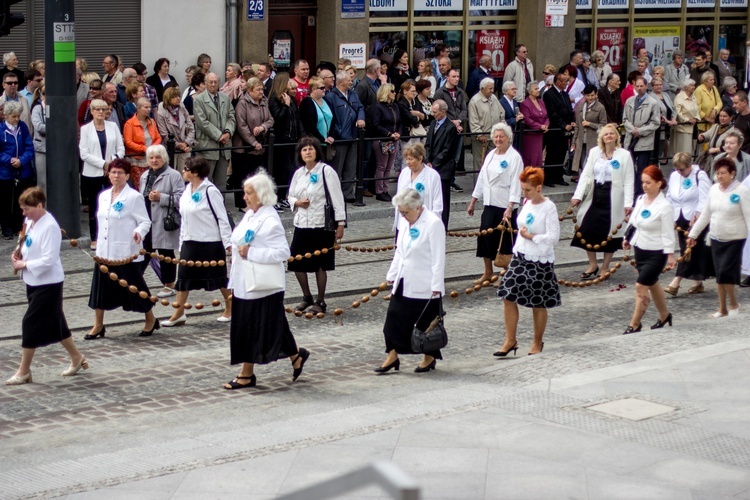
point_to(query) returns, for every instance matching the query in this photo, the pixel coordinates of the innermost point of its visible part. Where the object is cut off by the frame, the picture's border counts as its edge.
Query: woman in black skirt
(307, 197)
(38, 260)
(530, 280)
(204, 238)
(259, 332)
(417, 273)
(651, 232)
(605, 194)
(728, 211)
(123, 223)
(687, 193)
(500, 190)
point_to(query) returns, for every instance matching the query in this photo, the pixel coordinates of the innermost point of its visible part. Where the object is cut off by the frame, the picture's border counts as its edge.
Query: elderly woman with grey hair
(16, 167)
(417, 273)
(161, 190)
(536, 124)
(728, 89)
(500, 190)
(688, 114)
(259, 332)
(732, 143)
(601, 67)
(675, 74)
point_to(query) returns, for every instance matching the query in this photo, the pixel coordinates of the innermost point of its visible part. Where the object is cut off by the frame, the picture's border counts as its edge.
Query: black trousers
(283, 168)
(557, 148)
(168, 271)
(11, 216)
(446, 185)
(243, 165)
(90, 189)
(641, 159)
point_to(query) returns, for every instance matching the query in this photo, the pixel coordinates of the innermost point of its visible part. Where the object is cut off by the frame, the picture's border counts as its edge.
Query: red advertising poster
(611, 41)
(493, 43)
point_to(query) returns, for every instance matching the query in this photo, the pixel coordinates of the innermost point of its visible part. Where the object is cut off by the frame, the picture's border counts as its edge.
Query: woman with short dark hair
(172, 117)
(161, 77)
(38, 260)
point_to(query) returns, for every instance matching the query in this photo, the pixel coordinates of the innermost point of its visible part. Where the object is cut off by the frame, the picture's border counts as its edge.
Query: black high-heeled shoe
(100, 333)
(502, 354)
(632, 330)
(423, 369)
(540, 350)
(145, 333)
(302, 354)
(384, 369)
(660, 323)
(591, 275)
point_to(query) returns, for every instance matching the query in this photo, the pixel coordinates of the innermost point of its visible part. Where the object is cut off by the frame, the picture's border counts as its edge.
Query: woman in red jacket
(139, 133)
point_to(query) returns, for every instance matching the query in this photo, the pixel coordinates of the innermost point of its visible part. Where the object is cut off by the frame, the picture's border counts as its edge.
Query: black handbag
(331, 224)
(435, 338)
(173, 219)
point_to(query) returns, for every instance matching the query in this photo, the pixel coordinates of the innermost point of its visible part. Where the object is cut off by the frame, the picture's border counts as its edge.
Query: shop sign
(352, 9)
(612, 4)
(355, 52)
(486, 4)
(388, 5)
(733, 3)
(583, 4)
(660, 42)
(657, 4)
(557, 8)
(611, 41)
(700, 4)
(493, 43)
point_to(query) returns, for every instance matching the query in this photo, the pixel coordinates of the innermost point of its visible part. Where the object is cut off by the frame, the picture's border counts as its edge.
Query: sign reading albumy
(355, 52)
(64, 42)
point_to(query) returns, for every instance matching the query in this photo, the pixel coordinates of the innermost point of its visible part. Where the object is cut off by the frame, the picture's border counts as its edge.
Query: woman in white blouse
(605, 194)
(314, 183)
(651, 232)
(123, 223)
(687, 193)
(417, 273)
(530, 280)
(424, 179)
(728, 211)
(499, 188)
(100, 143)
(259, 333)
(204, 238)
(38, 260)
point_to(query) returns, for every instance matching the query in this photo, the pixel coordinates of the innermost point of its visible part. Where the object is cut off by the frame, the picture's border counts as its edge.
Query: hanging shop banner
(493, 43)
(612, 4)
(387, 5)
(477, 4)
(611, 41)
(584, 4)
(657, 4)
(660, 42)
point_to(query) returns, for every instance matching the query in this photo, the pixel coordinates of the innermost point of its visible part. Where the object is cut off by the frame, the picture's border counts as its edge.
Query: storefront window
(425, 42)
(698, 38)
(498, 44)
(383, 45)
(732, 38)
(659, 41)
(583, 39)
(584, 7)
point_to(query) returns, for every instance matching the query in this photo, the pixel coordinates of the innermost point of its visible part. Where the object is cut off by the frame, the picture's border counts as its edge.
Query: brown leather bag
(501, 259)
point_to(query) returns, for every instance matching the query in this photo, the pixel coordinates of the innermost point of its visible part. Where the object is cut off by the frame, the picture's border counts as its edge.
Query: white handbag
(262, 277)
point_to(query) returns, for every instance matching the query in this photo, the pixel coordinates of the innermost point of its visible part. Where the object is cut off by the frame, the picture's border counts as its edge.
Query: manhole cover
(632, 409)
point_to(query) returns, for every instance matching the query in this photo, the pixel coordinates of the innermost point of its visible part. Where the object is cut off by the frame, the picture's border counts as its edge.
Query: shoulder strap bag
(502, 259)
(216, 218)
(173, 219)
(262, 277)
(331, 224)
(434, 337)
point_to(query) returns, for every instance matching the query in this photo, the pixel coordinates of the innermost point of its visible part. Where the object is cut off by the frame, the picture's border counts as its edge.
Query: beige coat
(514, 72)
(597, 116)
(183, 130)
(210, 123)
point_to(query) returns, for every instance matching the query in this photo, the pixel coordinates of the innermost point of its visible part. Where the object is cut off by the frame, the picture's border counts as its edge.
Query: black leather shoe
(145, 333)
(100, 333)
(549, 184)
(632, 330)
(745, 283)
(660, 323)
(303, 354)
(502, 354)
(384, 369)
(423, 369)
(563, 183)
(383, 197)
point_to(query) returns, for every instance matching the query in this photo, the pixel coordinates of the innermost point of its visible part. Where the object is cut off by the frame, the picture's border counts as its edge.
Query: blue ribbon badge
(646, 213)
(734, 199)
(28, 241)
(615, 164)
(313, 178)
(503, 165)
(529, 219)
(249, 236)
(196, 196)
(117, 206)
(687, 183)
(419, 187)
(413, 234)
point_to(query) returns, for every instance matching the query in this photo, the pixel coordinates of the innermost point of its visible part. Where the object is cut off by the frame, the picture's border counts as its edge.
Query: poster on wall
(660, 42)
(611, 41)
(282, 52)
(493, 43)
(355, 52)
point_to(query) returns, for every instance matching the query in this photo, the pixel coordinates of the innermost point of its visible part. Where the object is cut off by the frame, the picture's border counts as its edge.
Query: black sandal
(236, 385)
(302, 354)
(591, 275)
(306, 302)
(319, 307)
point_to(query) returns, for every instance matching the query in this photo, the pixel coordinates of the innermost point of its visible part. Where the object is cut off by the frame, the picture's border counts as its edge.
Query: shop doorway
(291, 36)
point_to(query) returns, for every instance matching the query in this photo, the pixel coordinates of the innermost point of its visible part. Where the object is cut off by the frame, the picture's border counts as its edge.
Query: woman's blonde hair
(384, 91)
(600, 135)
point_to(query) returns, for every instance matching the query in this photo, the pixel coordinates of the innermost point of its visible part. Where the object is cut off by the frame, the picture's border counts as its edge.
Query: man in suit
(442, 138)
(458, 110)
(510, 105)
(480, 73)
(641, 118)
(562, 121)
(264, 73)
(367, 91)
(214, 127)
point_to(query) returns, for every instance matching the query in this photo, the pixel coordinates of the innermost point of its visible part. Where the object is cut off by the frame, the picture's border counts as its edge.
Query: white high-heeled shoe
(72, 370)
(179, 321)
(16, 380)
